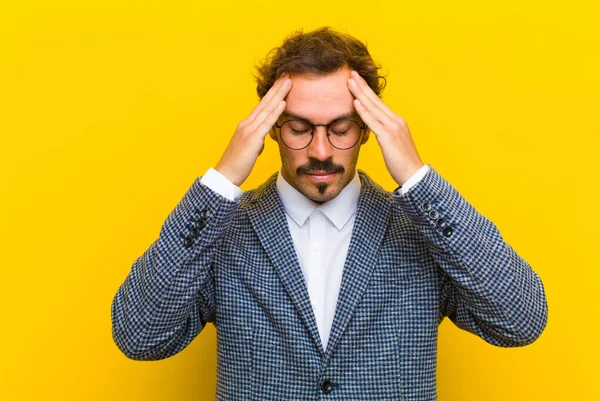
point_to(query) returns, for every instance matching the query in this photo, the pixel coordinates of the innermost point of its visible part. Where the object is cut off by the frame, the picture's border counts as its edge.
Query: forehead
(320, 99)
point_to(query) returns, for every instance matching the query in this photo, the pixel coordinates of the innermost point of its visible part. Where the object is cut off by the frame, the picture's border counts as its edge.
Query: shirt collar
(338, 210)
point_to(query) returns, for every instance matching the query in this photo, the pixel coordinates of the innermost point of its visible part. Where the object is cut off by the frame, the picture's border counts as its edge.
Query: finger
(266, 106)
(275, 90)
(275, 94)
(362, 84)
(269, 108)
(368, 104)
(271, 119)
(374, 125)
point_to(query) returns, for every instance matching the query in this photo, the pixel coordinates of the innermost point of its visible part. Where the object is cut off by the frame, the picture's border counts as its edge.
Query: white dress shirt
(320, 233)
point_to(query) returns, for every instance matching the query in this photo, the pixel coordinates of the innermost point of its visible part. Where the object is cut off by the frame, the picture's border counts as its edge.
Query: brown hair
(319, 52)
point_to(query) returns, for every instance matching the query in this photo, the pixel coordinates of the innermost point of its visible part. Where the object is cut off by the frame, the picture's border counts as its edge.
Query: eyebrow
(299, 117)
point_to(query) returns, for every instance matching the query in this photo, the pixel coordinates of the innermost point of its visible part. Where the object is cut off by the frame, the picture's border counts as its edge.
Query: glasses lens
(344, 134)
(296, 134)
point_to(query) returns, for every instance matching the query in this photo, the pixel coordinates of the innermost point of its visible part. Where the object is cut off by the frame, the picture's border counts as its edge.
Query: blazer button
(194, 232)
(327, 386)
(188, 241)
(200, 223)
(441, 223)
(426, 206)
(434, 214)
(447, 231)
(204, 214)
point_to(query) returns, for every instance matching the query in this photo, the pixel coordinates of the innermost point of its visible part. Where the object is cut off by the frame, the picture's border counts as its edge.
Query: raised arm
(487, 288)
(168, 296)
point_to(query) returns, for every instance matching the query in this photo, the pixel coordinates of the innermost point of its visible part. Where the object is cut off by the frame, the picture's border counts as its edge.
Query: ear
(273, 134)
(365, 136)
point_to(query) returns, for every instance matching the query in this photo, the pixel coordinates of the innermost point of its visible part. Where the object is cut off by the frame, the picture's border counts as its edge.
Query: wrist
(226, 172)
(408, 173)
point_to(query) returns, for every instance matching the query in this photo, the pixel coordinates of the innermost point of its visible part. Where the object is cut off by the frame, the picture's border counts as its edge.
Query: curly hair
(319, 52)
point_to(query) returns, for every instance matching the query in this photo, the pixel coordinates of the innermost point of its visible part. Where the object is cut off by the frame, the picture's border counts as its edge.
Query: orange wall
(110, 109)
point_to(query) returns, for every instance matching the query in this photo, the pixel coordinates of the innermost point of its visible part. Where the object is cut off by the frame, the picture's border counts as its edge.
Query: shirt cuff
(416, 177)
(221, 185)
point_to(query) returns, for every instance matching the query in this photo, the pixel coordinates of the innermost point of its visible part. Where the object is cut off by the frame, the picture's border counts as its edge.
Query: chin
(321, 193)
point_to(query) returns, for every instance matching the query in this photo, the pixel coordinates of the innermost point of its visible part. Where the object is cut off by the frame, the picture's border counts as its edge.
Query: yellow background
(110, 109)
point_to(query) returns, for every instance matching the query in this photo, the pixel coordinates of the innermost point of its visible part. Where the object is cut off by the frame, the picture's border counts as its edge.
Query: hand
(248, 141)
(392, 133)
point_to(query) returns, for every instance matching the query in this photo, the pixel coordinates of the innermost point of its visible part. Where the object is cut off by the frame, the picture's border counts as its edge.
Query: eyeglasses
(342, 133)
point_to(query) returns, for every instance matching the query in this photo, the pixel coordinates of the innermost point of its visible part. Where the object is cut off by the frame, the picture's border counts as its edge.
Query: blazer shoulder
(252, 196)
(373, 188)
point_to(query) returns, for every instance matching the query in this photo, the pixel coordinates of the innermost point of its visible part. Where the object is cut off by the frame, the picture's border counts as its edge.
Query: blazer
(413, 260)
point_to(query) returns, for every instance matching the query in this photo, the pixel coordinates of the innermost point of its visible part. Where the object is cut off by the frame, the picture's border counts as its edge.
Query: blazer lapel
(374, 206)
(267, 216)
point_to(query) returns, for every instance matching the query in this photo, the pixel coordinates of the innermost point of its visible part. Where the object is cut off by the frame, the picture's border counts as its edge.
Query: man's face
(319, 171)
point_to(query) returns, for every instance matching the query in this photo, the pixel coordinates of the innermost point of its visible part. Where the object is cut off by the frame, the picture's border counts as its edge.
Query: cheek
(349, 162)
(350, 159)
(288, 159)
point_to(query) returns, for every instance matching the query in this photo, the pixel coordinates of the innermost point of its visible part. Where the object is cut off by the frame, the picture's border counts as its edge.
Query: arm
(487, 288)
(167, 298)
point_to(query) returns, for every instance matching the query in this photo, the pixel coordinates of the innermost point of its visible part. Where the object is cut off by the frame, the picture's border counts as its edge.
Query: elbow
(128, 347)
(529, 315)
(531, 325)
(132, 341)
(127, 343)
(128, 337)
(135, 348)
(536, 324)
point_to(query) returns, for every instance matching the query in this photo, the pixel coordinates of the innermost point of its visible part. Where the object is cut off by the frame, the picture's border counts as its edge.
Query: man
(320, 283)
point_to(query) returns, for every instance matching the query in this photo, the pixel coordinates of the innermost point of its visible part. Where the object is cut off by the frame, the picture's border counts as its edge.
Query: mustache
(315, 165)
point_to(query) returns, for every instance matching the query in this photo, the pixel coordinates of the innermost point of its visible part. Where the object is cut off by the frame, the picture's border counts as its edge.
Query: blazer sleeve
(486, 287)
(168, 296)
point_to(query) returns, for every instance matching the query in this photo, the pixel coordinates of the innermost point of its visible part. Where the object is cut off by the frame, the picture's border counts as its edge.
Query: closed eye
(306, 131)
(339, 133)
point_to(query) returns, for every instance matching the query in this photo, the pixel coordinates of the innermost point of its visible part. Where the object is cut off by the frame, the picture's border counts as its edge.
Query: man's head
(319, 64)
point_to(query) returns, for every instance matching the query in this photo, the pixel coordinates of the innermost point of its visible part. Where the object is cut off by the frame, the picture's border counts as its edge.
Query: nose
(319, 147)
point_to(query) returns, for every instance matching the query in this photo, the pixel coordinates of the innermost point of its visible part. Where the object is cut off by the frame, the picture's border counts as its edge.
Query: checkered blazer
(413, 260)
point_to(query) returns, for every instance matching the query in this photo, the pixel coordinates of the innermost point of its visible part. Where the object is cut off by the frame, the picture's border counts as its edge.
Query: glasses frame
(313, 129)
